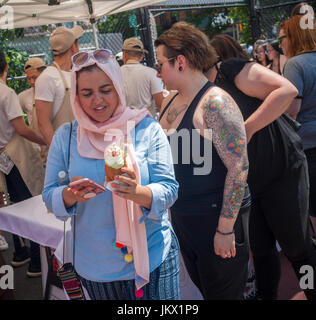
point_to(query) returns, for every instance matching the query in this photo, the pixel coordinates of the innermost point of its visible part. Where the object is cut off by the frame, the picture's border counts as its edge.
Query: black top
(279, 69)
(275, 150)
(197, 193)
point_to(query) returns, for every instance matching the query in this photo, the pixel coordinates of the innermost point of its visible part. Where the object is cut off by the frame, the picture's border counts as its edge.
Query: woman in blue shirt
(298, 42)
(101, 117)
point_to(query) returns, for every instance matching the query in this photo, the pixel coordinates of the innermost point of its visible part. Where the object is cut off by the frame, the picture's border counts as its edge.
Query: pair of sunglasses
(280, 39)
(99, 55)
(158, 66)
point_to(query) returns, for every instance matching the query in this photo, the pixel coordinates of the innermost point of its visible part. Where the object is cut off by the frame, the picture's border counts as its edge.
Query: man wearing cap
(52, 89)
(21, 169)
(142, 87)
(33, 68)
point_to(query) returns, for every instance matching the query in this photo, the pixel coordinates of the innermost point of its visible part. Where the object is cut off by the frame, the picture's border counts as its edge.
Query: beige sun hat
(133, 44)
(63, 38)
(34, 63)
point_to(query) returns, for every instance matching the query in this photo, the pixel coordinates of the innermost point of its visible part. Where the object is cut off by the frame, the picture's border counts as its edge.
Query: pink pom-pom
(139, 293)
(118, 245)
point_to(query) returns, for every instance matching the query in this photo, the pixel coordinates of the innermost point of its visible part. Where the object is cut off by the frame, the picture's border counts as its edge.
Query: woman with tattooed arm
(277, 175)
(210, 215)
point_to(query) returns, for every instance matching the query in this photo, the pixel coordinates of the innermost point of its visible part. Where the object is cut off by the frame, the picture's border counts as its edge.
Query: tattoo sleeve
(222, 115)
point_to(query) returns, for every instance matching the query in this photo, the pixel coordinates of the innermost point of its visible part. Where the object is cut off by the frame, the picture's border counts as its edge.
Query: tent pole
(95, 36)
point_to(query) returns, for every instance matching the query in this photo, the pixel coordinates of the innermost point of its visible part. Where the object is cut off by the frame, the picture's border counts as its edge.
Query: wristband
(225, 233)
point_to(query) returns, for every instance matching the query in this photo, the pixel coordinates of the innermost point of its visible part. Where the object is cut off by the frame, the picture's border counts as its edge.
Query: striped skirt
(163, 282)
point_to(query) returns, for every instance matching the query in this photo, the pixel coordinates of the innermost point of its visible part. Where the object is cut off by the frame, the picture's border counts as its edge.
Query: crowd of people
(217, 151)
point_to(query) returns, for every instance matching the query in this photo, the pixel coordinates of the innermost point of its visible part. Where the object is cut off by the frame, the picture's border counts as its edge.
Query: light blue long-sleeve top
(96, 259)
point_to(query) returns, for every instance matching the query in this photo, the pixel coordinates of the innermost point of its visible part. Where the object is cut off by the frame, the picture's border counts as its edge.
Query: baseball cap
(133, 44)
(34, 63)
(63, 38)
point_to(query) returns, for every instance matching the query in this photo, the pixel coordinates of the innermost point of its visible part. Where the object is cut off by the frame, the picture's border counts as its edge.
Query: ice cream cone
(110, 172)
(115, 159)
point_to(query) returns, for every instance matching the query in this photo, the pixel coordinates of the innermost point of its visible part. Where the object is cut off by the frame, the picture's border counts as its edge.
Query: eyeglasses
(99, 55)
(158, 66)
(280, 39)
(261, 52)
(269, 51)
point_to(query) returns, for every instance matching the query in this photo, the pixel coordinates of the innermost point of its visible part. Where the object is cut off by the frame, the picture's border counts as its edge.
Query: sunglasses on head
(99, 55)
(158, 66)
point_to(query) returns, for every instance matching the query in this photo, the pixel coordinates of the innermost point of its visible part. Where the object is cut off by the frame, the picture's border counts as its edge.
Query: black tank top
(198, 193)
(273, 151)
(271, 66)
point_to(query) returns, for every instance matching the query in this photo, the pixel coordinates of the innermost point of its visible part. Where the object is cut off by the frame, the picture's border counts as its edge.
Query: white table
(30, 219)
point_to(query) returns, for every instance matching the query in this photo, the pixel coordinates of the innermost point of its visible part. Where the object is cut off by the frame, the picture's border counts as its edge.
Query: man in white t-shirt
(33, 68)
(11, 180)
(50, 88)
(142, 87)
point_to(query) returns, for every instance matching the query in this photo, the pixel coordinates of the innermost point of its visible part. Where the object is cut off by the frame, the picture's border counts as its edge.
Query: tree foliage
(241, 15)
(118, 23)
(212, 21)
(15, 59)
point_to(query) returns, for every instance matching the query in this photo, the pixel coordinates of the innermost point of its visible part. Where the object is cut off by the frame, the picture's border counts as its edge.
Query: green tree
(218, 20)
(212, 21)
(241, 15)
(119, 23)
(15, 59)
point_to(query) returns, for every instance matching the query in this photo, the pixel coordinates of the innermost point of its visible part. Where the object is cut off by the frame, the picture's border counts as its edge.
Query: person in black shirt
(276, 57)
(277, 169)
(210, 162)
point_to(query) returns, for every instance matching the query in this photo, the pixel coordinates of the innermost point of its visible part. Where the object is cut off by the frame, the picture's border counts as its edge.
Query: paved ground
(24, 288)
(31, 289)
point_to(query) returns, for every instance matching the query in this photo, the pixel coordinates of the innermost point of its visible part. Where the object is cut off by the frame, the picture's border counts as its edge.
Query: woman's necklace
(173, 113)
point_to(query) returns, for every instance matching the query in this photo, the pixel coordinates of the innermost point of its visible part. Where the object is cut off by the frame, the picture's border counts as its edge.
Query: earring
(180, 68)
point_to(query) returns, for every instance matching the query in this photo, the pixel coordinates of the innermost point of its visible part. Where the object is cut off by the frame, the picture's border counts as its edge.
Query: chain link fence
(269, 15)
(109, 32)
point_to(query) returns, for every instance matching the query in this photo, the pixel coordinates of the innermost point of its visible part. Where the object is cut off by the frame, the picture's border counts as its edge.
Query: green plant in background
(118, 23)
(241, 15)
(15, 59)
(211, 21)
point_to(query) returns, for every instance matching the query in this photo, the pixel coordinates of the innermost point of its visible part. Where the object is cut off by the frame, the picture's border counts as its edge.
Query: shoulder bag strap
(64, 242)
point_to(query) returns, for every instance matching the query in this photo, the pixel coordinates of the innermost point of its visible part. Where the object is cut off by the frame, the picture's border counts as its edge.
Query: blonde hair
(185, 39)
(299, 40)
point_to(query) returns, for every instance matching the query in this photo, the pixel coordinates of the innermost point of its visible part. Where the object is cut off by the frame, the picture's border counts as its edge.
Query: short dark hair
(3, 62)
(227, 47)
(185, 39)
(275, 45)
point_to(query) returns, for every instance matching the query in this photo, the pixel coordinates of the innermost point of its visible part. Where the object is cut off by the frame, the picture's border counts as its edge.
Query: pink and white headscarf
(93, 138)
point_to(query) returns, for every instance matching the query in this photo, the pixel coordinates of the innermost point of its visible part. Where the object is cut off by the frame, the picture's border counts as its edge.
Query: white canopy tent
(29, 13)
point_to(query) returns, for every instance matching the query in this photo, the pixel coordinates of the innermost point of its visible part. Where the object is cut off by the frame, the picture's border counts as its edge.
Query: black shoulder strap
(64, 240)
(167, 106)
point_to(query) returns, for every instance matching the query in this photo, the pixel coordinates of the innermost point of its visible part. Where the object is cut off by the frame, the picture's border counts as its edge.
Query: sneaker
(20, 259)
(34, 271)
(3, 243)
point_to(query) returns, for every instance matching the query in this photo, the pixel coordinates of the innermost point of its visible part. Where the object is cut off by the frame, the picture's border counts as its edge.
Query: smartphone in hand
(87, 183)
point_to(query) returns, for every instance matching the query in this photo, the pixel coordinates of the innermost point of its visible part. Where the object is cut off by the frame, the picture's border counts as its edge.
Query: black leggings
(311, 160)
(281, 214)
(215, 277)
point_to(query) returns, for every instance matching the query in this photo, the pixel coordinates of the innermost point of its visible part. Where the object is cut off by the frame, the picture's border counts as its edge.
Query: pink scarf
(92, 139)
